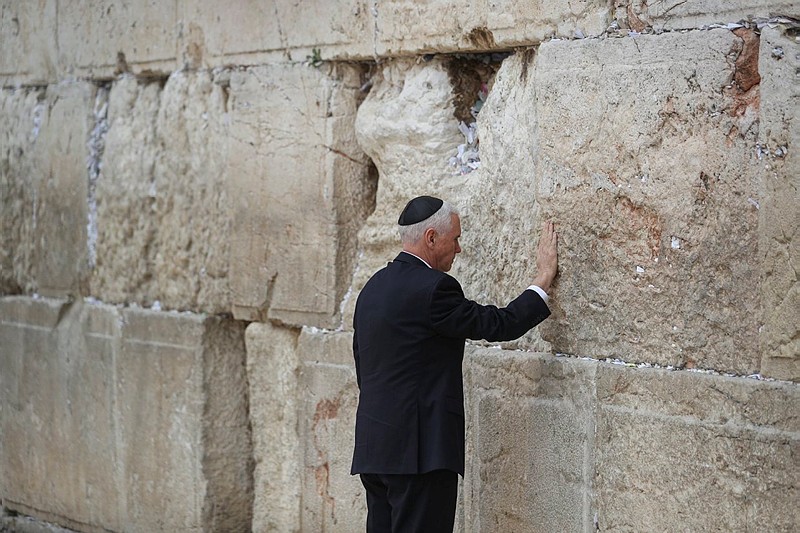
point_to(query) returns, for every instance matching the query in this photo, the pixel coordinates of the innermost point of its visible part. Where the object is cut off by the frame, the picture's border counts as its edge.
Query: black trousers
(418, 503)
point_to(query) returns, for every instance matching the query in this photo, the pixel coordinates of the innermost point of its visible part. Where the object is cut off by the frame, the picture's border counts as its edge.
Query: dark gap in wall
(471, 75)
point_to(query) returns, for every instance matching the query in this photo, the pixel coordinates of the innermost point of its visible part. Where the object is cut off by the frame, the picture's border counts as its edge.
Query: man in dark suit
(411, 321)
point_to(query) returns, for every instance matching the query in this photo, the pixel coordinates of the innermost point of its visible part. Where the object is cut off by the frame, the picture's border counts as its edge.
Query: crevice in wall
(684, 368)
(94, 163)
(18, 517)
(37, 112)
(369, 203)
(472, 77)
(356, 200)
(627, 23)
(374, 11)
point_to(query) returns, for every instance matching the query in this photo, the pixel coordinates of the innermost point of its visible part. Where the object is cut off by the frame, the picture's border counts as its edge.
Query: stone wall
(124, 419)
(192, 197)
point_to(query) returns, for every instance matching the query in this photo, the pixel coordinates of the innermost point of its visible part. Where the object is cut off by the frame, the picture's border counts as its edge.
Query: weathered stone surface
(503, 215)
(28, 31)
(272, 370)
(301, 188)
(162, 202)
(250, 31)
(302, 397)
(519, 23)
(182, 409)
(190, 187)
(227, 443)
(123, 419)
(678, 14)
(61, 253)
(580, 443)
(327, 347)
(332, 499)
(414, 27)
(642, 138)
(43, 178)
(124, 206)
(779, 216)
(103, 38)
(57, 388)
(26, 524)
(21, 113)
(531, 431)
(706, 452)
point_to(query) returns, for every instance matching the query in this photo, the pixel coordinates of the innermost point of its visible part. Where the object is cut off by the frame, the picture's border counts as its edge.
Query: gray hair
(440, 221)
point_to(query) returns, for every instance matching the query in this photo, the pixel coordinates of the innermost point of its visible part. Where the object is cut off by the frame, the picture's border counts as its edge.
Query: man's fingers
(549, 235)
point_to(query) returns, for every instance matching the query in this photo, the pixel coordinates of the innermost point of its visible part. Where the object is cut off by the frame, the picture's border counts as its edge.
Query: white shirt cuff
(539, 291)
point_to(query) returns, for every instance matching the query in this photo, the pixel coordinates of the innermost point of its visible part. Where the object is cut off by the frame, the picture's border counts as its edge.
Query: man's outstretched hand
(547, 257)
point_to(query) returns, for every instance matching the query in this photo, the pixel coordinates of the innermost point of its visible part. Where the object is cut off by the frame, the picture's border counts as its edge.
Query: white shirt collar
(418, 257)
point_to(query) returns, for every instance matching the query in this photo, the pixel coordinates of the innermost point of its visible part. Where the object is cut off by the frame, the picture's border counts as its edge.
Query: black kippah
(419, 209)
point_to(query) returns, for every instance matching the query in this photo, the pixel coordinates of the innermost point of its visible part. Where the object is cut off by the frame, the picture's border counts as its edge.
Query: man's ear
(430, 237)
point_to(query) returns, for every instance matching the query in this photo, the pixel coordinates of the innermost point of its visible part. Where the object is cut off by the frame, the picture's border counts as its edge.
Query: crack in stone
(94, 163)
(374, 11)
(641, 364)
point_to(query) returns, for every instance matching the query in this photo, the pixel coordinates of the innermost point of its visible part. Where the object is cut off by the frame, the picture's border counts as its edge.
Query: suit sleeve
(452, 315)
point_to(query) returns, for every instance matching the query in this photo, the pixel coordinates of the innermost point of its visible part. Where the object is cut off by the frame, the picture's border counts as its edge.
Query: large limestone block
(102, 38)
(531, 436)
(503, 216)
(56, 415)
(185, 444)
(253, 32)
(190, 187)
(405, 123)
(414, 27)
(28, 54)
(272, 371)
(695, 451)
(678, 14)
(332, 499)
(226, 456)
(162, 221)
(21, 114)
(300, 190)
(45, 189)
(302, 402)
(61, 252)
(644, 157)
(515, 22)
(779, 216)
(123, 420)
(123, 204)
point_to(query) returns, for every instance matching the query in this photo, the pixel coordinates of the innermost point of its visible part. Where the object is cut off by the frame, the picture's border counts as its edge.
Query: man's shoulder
(417, 271)
(409, 273)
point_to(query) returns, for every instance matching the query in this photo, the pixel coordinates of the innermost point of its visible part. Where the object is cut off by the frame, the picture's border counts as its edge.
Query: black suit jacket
(410, 325)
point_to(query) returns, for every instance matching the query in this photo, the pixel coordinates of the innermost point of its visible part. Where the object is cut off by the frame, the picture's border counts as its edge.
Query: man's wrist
(543, 281)
(540, 291)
